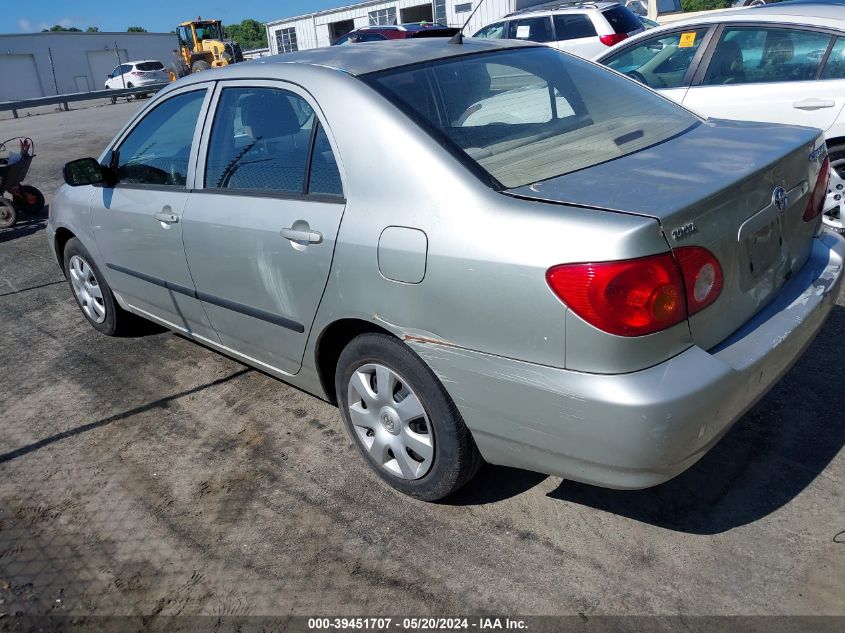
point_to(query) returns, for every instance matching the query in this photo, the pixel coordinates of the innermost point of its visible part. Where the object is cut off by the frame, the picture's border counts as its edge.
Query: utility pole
(122, 77)
(53, 70)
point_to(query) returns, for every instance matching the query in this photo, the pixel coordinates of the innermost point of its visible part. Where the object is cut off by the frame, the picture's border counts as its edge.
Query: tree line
(248, 33)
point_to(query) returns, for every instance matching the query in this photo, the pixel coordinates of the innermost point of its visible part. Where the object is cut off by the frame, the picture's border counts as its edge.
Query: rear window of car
(571, 26)
(529, 114)
(150, 66)
(622, 20)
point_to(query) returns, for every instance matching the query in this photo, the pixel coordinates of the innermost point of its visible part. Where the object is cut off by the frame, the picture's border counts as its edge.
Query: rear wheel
(92, 292)
(28, 199)
(8, 214)
(199, 66)
(402, 419)
(834, 213)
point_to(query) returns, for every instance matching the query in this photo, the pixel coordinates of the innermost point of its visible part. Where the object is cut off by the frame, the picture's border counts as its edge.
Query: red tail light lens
(639, 296)
(815, 205)
(627, 298)
(615, 38)
(702, 276)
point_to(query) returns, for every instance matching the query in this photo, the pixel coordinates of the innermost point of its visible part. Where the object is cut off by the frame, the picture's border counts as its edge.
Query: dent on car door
(137, 223)
(259, 234)
(769, 73)
(664, 62)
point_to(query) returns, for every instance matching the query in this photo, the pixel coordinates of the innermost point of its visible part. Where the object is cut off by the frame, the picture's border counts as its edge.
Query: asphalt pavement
(152, 476)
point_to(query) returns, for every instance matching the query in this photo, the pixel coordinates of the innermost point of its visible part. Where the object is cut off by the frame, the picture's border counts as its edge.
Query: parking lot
(152, 476)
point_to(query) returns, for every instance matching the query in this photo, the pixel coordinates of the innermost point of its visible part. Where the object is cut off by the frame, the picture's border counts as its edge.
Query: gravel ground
(151, 476)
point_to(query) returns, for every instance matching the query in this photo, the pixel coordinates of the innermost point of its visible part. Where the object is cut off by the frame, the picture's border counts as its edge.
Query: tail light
(702, 276)
(815, 204)
(639, 296)
(615, 38)
(135, 73)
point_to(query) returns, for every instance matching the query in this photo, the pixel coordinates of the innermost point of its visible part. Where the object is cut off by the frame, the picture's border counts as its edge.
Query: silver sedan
(480, 251)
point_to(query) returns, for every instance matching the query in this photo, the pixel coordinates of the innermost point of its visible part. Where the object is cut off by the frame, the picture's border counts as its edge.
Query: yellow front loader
(202, 45)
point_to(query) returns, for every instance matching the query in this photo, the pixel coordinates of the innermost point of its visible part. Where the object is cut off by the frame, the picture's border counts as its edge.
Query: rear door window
(573, 26)
(746, 55)
(659, 62)
(259, 141)
(622, 20)
(531, 29)
(835, 66)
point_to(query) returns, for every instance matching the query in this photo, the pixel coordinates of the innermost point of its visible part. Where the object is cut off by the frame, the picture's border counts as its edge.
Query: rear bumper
(639, 429)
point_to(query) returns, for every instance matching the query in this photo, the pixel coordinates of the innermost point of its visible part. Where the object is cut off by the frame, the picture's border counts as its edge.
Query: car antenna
(458, 38)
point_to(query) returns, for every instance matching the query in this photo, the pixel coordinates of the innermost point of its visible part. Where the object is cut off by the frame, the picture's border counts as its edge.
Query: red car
(396, 32)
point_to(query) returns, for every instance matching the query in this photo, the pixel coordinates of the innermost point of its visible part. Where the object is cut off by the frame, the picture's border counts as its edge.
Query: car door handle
(303, 237)
(814, 104)
(166, 216)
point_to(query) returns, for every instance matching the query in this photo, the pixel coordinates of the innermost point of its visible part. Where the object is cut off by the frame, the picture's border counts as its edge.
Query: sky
(153, 15)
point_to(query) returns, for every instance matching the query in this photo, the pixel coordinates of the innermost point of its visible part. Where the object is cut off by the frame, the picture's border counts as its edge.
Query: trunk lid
(714, 186)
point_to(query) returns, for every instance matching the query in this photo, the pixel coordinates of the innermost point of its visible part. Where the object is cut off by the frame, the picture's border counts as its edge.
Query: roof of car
(561, 6)
(815, 13)
(368, 57)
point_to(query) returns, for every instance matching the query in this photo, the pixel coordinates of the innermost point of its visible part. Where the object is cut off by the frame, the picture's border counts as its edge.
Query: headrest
(269, 114)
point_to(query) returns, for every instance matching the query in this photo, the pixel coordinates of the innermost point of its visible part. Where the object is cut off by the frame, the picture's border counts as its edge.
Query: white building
(46, 64)
(321, 28)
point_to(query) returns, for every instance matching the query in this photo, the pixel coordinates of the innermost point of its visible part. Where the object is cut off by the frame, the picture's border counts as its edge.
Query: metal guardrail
(64, 100)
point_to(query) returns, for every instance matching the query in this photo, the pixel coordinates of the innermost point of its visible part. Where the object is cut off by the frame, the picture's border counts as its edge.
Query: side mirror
(85, 171)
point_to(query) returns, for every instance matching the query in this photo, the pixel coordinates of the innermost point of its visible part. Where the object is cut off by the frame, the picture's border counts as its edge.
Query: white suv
(134, 74)
(582, 28)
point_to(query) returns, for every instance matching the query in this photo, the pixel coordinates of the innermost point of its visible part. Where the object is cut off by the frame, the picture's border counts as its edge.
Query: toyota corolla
(486, 250)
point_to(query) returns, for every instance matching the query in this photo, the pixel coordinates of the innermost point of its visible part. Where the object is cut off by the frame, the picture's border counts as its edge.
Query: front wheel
(8, 214)
(402, 419)
(92, 292)
(199, 66)
(834, 208)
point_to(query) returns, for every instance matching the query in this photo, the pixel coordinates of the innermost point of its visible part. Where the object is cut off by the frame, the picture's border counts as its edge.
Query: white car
(780, 63)
(582, 28)
(135, 74)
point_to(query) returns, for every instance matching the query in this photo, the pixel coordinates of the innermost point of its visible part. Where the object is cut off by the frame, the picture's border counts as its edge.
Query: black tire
(199, 66)
(29, 199)
(836, 154)
(117, 321)
(8, 214)
(456, 458)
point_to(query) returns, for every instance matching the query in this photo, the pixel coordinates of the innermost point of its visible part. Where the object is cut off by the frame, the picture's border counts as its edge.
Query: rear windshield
(150, 66)
(528, 114)
(622, 20)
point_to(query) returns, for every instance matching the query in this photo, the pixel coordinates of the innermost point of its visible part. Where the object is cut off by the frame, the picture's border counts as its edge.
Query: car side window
(157, 150)
(492, 31)
(260, 141)
(659, 62)
(573, 26)
(125, 68)
(370, 37)
(531, 29)
(746, 55)
(835, 66)
(324, 178)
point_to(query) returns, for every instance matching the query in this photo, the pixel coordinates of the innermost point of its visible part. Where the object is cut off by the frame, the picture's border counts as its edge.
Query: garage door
(19, 78)
(102, 63)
